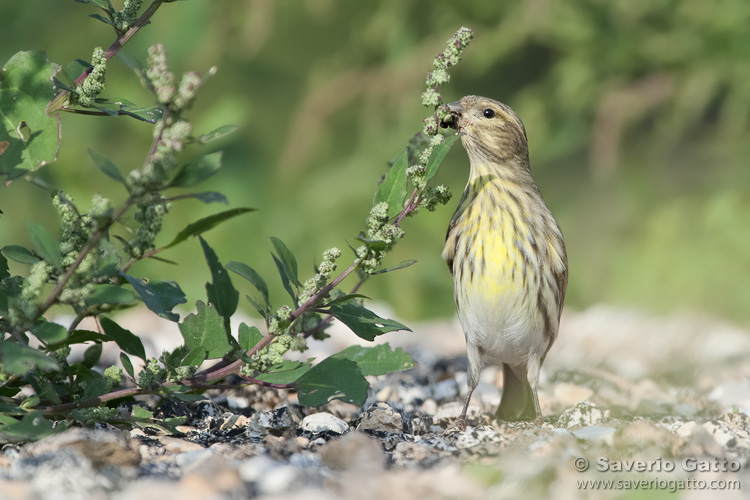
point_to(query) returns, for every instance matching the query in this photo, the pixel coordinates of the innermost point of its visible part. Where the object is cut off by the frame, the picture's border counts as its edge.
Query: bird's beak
(456, 108)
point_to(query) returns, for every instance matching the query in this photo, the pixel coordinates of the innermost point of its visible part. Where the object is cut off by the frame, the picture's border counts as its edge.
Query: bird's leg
(538, 421)
(462, 418)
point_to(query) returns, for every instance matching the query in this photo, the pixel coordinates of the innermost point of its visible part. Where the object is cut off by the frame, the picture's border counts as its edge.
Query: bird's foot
(461, 423)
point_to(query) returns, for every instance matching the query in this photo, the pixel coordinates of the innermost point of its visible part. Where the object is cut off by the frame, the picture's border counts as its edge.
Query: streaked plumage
(507, 257)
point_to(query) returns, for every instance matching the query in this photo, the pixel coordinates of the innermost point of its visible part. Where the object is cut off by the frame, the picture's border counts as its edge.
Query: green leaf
(345, 298)
(378, 360)
(332, 378)
(376, 245)
(140, 412)
(101, 18)
(31, 138)
(205, 329)
(210, 197)
(125, 339)
(45, 244)
(393, 187)
(9, 409)
(286, 372)
(4, 270)
(262, 310)
(81, 336)
(198, 171)
(150, 114)
(127, 365)
(285, 281)
(92, 355)
(253, 277)
(248, 336)
(365, 323)
(437, 156)
(32, 427)
(203, 225)
(401, 265)
(95, 388)
(51, 333)
(159, 296)
(221, 293)
(287, 259)
(20, 254)
(106, 166)
(195, 357)
(44, 388)
(216, 133)
(109, 294)
(187, 398)
(99, 3)
(18, 359)
(75, 69)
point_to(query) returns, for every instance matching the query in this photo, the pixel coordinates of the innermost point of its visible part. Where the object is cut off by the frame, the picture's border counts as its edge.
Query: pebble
(267, 476)
(271, 421)
(355, 450)
(323, 421)
(381, 417)
(595, 433)
(583, 414)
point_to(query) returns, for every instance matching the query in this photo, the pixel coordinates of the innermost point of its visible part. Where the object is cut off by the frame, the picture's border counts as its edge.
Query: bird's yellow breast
(491, 245)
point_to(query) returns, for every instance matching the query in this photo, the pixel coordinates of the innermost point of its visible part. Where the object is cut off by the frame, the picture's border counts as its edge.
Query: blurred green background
(637, 111)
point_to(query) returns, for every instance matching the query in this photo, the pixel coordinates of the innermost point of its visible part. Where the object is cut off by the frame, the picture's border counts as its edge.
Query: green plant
(87, 267)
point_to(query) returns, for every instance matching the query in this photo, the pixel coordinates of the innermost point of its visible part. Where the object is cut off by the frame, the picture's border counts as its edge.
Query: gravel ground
(631, 403)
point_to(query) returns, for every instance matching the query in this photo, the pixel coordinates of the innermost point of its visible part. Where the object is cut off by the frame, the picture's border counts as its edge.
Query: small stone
(99, 447)
(321, 422)
(269, 477)
(727, 436)
(472, 438)
(429, 407)
(381, 417)
(189, 458)
(697, 440)
(271, 421)
(642, 435)
(136, 433)
(408, 452)
(583, 414)
(385, 394)
(229, 421)
(237, 402)
(176, 445)
(354, 451)
(595, 433)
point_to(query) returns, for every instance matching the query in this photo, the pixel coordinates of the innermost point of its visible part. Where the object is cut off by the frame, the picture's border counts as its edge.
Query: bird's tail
(517, 402)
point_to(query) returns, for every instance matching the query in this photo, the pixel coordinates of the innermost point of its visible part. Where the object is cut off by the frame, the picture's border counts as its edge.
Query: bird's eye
(488, 113)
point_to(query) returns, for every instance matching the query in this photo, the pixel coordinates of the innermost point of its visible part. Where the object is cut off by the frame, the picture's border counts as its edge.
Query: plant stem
(59, 101)
(88, 247)
(411, 204)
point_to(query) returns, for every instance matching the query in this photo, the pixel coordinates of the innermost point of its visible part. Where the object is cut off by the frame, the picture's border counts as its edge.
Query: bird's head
(490, 130)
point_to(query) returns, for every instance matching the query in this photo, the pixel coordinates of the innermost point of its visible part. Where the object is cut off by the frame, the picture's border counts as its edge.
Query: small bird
(507, 256)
